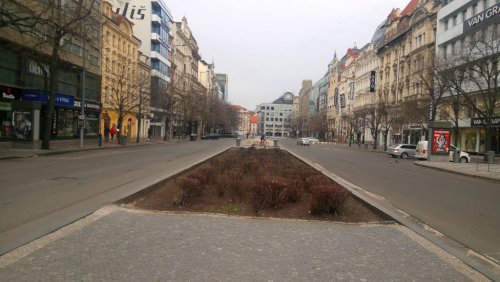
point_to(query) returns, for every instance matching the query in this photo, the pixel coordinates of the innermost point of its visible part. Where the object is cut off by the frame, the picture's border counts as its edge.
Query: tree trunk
(49, 112)
(119, 129)
(138, 128)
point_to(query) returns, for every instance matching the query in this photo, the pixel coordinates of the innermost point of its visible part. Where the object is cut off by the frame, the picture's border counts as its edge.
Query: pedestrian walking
(106, 133)
(359, 144)
(149, 133)
(112, 131)
(247, 135)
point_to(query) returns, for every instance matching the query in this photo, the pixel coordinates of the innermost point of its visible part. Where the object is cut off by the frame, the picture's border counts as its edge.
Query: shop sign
(11, 93)
(481, 18)
(475, 122)
(5, 106)
(372, 81)
(88, 105)
(39, 96)
(342, 100)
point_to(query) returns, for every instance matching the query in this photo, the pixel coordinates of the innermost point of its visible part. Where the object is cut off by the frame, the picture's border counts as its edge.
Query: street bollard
(491, 157)
(275, 143)
(456, 156)
(100, 140)
(238, 142)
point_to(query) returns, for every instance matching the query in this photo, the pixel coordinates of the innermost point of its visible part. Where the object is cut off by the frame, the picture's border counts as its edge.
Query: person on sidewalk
(247, 135)
(149, 133)
(106, 133)
(112, 131)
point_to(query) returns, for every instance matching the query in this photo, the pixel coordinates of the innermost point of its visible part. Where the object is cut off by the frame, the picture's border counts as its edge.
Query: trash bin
(238, 142)
(192, 138)
(491, 157)
(456, 156)
(276, 143)
(124, 140)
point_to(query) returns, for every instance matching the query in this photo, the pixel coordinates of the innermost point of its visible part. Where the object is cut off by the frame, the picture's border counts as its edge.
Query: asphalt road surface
(39, 195)
(463, 208)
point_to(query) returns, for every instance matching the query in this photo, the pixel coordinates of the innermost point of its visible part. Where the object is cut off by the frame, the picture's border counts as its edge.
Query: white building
(456, 21)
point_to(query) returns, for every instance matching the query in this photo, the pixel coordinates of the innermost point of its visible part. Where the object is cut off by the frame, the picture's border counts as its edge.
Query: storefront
(8, 94)
(66, 111)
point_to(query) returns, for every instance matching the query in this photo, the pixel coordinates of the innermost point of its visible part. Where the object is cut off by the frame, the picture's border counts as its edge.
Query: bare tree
(122, 91)
(143, 98)
(44, 28)
(477, 63)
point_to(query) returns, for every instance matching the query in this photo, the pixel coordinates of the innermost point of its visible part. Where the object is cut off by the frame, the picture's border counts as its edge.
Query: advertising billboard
(441, 142)
(21, 124)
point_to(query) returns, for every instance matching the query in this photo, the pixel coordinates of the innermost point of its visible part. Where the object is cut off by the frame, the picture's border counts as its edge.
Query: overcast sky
(268, 47)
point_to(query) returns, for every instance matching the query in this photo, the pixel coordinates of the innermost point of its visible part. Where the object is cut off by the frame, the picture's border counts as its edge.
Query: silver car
(402, 150)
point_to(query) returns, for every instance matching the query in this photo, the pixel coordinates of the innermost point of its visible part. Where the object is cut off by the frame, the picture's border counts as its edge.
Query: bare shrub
(317, 180)
(210, 175)
(187, 188)
(306, 173)
(269, 192)
(222, 185)
(199, 175)
(328, 199)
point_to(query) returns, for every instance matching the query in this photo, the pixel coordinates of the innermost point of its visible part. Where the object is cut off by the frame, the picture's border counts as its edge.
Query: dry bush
(317, 180)
(269, 192)
(214, 163)
(186, 188)
(222, 185)
(306, 173)
(328, 199)
(199, 175)
(210, 175)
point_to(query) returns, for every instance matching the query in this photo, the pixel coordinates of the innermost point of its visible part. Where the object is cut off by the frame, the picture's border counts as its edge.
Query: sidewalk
(69, 146)
(478, 170)
(122, 244)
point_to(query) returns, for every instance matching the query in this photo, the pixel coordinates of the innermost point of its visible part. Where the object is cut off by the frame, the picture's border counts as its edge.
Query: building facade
(457, 22)
(305, 107)
(273, 119)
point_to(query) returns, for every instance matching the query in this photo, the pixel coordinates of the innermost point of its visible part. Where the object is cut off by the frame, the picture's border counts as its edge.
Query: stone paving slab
(121, 244)
(480, 170)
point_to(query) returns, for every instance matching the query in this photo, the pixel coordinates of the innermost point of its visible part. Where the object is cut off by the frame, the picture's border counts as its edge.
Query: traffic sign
(81, 121)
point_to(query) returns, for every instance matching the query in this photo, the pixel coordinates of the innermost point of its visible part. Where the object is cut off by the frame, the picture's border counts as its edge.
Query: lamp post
(394, 114)
(171, 95)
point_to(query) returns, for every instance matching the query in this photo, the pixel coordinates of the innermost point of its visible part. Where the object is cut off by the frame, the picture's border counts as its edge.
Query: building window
(272, 108)
(114, 40)
(107, 37)
(446, 25)
(474, 9)
(433, 35)
(464, 15)
(453, 48)
(455, 20)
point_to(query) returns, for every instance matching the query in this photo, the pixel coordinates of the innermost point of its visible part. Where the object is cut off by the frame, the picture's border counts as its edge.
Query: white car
(313, 140)
(303, 142)
(421, 152)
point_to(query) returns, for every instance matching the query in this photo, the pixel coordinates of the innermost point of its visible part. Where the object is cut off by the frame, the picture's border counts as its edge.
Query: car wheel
(404, 155)
(464, 160)
(394, 156)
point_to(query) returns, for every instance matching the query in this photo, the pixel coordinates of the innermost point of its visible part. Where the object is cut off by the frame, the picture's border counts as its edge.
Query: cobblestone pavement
(119, 244)
(480, 170)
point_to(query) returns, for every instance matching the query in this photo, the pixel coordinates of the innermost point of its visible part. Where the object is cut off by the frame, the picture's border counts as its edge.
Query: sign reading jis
(372, 81)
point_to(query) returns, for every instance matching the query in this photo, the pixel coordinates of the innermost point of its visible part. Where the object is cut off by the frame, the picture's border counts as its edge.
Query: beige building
(123, 82)
(346, 94)
(185, 79)
(366, 64)
(410, 43)
(304, 106)
(332, 111)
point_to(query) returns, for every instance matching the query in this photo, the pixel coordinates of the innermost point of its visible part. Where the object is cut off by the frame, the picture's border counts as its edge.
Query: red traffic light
(82, 117)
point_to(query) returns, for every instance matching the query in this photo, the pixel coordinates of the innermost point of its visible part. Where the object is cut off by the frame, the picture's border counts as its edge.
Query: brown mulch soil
(208, 200)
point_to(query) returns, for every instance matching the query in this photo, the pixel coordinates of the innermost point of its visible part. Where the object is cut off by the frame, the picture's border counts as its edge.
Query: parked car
(312, 140)
(303, 142)
(402, 150)
(213, 136)
(421, 152)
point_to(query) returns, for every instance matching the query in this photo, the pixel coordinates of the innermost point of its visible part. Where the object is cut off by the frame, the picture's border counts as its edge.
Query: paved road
(463, 208)
(38, 195)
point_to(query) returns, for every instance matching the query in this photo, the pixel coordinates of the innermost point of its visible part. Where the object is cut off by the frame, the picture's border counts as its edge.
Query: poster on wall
(441, 141)
(21, 124)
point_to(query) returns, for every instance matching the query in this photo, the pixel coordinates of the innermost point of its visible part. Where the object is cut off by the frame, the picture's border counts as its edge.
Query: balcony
(158, 56)
(157, 73)
(157, 37)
